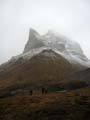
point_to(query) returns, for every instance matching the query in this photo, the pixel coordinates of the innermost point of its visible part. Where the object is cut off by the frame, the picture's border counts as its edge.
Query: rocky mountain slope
(45, 67)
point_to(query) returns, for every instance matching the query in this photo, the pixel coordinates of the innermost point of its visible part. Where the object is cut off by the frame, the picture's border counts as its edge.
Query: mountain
(71, 50)
(55, 64)
(46, 59)
(68, 49)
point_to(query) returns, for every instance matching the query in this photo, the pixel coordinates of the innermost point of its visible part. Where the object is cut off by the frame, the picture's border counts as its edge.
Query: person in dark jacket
(31, 92)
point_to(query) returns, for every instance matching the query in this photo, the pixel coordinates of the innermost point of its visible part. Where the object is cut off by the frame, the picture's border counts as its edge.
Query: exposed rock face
(34, 41)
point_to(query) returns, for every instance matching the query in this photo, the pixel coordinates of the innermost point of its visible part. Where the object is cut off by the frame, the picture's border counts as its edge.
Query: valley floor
(61, 105)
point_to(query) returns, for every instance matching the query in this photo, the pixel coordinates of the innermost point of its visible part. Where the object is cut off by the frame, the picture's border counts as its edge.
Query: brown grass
(70, 105)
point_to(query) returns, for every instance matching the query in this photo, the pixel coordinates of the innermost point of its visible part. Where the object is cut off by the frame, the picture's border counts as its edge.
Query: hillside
(44, 68)
(83, 75)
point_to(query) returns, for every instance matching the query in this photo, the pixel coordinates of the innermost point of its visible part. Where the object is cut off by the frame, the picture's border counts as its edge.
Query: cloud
(69, 17)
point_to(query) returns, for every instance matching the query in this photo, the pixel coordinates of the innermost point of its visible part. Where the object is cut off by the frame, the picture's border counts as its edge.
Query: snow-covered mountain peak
(53, 40)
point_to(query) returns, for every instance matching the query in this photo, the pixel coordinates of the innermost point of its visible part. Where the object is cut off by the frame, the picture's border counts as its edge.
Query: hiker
(31, 92)
(44, 90)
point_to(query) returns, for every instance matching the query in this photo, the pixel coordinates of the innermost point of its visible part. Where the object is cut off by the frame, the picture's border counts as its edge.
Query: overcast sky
(68, 17)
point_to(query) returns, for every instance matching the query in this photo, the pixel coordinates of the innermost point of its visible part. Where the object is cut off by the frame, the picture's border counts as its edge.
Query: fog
(68, 17)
